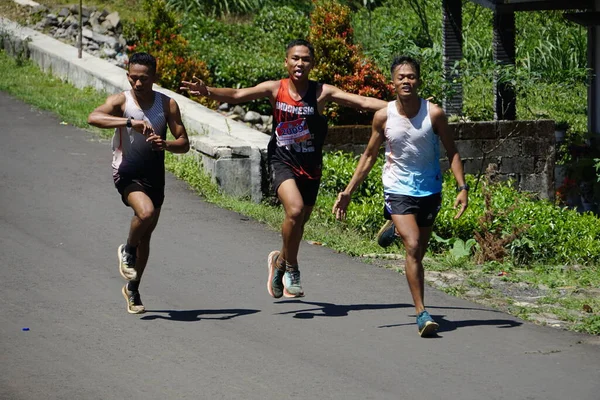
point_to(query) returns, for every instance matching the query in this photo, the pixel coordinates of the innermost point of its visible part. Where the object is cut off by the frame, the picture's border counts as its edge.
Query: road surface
(211, 330)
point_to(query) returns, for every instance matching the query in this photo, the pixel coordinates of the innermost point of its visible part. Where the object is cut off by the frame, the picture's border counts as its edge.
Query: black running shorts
(425, 208)
(156, 195)
(309, 188)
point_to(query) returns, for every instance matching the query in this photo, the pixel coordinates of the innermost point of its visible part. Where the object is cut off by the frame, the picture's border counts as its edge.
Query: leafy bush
(548, 48)
(215, 8)
(282, 22)
(159, 34)
(341, 63)
(547, 233)
(237, 55)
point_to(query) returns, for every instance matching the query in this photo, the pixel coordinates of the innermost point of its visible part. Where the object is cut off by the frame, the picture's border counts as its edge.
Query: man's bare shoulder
(381, 113)
(117, 99)
(436, 111)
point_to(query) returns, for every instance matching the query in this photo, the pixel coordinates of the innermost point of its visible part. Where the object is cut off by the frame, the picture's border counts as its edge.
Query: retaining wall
(520, 150)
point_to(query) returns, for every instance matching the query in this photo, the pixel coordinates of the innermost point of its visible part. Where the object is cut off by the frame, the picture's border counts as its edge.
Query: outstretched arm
(332, 93)
(181, 143)
(364, 166)
(440, 126)
(229, 95)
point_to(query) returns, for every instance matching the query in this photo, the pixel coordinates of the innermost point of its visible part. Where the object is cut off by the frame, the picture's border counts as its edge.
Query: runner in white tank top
(411, 129)
(412, 153)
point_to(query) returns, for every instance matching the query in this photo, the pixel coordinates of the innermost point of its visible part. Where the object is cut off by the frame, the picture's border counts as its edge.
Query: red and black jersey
(298, 132)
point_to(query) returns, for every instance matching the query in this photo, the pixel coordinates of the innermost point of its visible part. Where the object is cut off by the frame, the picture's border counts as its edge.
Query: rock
(547, 319)
(525, 304)
(113, 19)
(108, 26)
(99, 29)
(50, 20)
(71, 20)
(86, 12)
(92, 46)
(474, 292)
(238, 110)
(224, 107)
(39, 9)
(27, 3)
(60, 33)
(253, 117)
(108, 53)
(64, 12)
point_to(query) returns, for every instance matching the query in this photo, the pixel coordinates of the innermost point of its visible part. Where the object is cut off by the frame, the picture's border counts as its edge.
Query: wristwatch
(128, 124)
(463, 187)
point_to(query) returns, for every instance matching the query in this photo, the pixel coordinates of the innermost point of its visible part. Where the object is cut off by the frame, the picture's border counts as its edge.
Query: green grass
(26, 82)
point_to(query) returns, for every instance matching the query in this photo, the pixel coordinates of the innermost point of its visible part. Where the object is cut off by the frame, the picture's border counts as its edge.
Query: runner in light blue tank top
(412, 154)
(411, 129)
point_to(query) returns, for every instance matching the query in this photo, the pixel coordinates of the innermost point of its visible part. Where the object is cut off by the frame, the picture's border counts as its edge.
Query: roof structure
(583, 12)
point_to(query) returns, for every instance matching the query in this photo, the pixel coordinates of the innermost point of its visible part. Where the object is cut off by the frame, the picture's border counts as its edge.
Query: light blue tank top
(412, 154)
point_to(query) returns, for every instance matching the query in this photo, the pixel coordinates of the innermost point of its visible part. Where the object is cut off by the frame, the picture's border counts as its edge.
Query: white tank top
(412, 154)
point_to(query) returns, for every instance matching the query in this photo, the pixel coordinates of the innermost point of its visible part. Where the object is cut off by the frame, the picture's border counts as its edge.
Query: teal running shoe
(291, 282)
(426, 325)
(275, 281)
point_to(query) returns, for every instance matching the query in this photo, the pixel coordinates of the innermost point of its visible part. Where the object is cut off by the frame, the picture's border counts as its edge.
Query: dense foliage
(548, 49)
(547, 233)
(159, 33)
(341, 63)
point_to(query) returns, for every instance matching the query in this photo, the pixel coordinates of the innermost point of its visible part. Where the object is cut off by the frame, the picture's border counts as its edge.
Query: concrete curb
(233, 154)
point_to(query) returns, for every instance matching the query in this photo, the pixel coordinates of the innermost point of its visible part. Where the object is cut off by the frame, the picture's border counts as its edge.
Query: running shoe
(291, 282)
(126, 264)
(426, 325)
(134, 301)
(387, 234)
(275, 281)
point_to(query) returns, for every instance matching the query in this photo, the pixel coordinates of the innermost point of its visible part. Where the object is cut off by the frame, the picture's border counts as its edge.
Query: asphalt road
(211, 330)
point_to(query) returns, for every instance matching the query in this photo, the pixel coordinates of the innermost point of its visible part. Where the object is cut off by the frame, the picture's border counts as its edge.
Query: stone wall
(520, 150)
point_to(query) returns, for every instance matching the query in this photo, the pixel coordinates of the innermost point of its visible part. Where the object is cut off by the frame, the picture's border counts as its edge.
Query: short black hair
(144, 59)
(301, 42)
(401, 60)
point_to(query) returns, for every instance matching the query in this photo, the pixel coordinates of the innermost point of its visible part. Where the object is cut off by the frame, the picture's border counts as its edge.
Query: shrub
(159, 34)
(542, 232)
(237, 55)
(215, 8)
(341, 63)
(282, 22)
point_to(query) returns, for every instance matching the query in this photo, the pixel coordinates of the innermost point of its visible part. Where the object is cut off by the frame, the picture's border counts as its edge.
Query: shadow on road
(334, 310)
(197, 315)
(448, 326)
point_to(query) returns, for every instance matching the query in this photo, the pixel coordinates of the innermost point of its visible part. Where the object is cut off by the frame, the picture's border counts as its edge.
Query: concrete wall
(520, 150)
(232, 153)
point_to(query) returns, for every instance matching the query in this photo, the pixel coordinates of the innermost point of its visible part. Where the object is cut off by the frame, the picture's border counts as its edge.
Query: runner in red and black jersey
(295, 150)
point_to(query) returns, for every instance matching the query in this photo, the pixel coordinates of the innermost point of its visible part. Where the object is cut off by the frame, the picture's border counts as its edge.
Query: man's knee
(412, 246)
(147, 214)
(295, 211)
